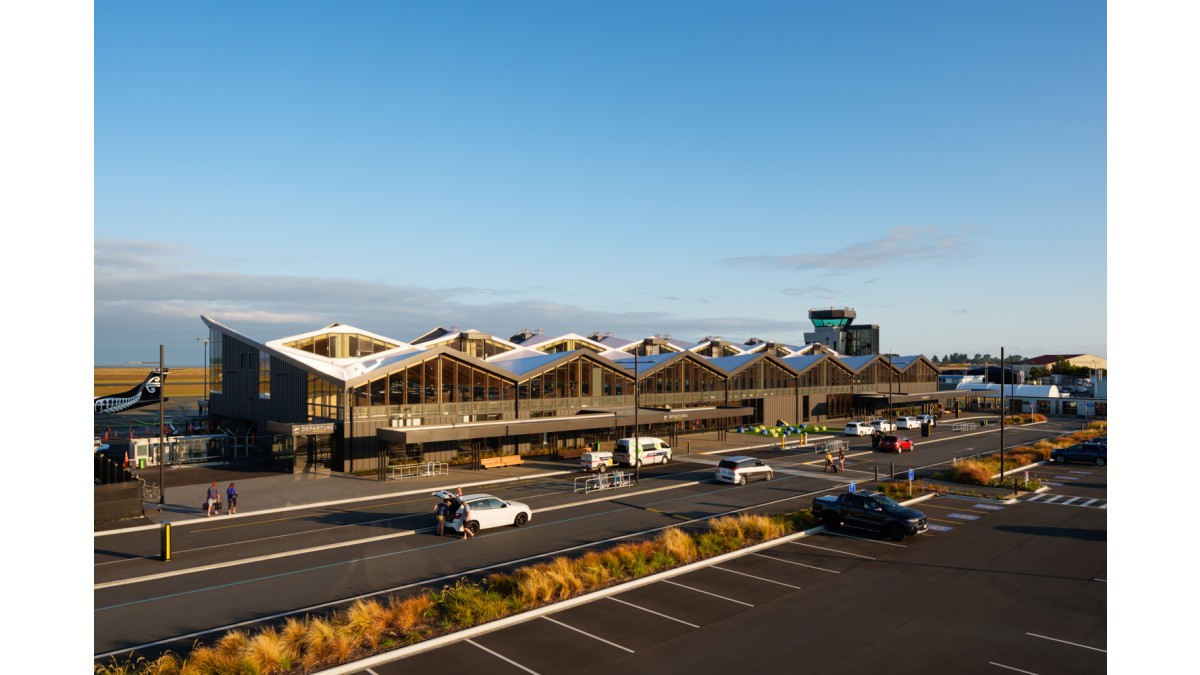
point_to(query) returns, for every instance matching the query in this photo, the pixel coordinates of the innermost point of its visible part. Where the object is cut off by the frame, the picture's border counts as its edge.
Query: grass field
(181, 381)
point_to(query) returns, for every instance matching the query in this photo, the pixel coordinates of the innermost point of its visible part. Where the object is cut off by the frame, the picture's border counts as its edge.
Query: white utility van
(653, 451)
(596, 461)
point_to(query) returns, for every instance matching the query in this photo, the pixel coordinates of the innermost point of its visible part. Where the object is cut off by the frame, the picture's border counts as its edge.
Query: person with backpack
(213, 499)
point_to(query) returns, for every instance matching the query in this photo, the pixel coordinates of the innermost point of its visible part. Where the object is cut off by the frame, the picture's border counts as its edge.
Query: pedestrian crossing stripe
(940, 528)
(963, 516)
(989, 507)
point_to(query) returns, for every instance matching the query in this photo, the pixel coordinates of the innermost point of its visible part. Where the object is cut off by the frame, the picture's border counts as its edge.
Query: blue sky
(688, 168)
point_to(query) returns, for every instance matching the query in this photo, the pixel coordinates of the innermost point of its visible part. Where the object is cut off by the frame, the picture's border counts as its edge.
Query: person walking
(466, 520)
(213, 499)
(841, 461)
(439, 512)
(828, 463)
(231, 494)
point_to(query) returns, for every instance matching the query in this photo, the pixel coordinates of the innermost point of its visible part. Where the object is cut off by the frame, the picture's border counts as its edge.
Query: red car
(896, 443)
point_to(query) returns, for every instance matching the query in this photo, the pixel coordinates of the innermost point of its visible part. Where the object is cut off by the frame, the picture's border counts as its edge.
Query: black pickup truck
(876, 512)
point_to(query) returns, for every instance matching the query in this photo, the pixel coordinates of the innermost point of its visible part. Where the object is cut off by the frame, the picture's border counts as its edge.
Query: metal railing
(604, 481)
(962, 426)
(422, 470)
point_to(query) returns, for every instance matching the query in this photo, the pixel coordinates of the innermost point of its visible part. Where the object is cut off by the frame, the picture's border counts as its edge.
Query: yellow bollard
(166, 542)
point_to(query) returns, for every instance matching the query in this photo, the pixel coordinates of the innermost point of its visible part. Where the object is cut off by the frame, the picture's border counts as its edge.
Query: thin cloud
(917, 242)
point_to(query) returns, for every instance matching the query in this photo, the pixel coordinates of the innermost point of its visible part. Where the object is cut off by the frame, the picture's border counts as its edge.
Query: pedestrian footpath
(264, 491)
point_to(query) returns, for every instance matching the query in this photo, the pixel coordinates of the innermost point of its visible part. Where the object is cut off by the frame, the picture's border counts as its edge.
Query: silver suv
(740, 469)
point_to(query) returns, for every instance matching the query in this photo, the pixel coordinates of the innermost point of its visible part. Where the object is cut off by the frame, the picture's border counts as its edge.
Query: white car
(927, 418)
(739, 469)
(486, 511)
(908, 423)
(858, 429)
(883, 426)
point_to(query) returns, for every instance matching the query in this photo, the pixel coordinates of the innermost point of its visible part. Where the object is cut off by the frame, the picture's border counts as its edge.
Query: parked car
(876, 512)
(739, 469)
(486, 511)
(1092, 453)
(908, 423)
(883, 426)
(930, 419)
(652, 451)
(858, 429)
(896, 444)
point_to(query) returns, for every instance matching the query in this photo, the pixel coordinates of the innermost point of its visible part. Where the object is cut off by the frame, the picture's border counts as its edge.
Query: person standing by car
(466, 520)
(439, 512)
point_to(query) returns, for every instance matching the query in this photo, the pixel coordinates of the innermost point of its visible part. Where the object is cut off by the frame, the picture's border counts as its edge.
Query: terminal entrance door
(313, 452)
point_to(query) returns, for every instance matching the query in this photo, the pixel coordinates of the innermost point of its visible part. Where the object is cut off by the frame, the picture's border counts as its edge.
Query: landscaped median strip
(499, 624)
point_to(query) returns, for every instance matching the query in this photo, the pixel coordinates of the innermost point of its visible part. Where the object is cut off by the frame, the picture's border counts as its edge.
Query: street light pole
(162, 454)
(637, 405)
(204, 394)
(1002, 414)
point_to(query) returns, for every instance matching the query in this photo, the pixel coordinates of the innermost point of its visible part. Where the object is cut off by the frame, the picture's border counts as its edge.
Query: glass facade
(264, 375)
(341, 345)
(324, 400)
(216, 369)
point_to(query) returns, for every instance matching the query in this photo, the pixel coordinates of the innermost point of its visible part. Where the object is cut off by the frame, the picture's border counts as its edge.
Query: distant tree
(1061, 367)
(935, 358)
(1038, 372)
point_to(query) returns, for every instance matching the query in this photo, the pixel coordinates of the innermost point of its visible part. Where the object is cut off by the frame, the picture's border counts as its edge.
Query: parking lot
(992, 587)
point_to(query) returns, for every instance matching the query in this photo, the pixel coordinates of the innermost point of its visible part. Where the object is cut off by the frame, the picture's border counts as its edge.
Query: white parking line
(871, 541)
(502, 657)
(1015, 670)
(653, 612)
(1073, 644)
(1072, 499)
(675, 583)
(1054, 499)
(594, 637)
(1088, 502)
(1036, 497)
(832, 550)
(724, 569)
(1104, 506)
(793, 562)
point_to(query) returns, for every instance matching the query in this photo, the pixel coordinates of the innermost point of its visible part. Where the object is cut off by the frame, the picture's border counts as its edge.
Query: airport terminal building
(350, 400)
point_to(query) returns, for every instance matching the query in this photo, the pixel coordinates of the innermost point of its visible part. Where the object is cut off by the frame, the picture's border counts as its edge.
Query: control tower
(834, 328)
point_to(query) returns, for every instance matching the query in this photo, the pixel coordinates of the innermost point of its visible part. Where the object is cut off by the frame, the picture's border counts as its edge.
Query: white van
(653, 451)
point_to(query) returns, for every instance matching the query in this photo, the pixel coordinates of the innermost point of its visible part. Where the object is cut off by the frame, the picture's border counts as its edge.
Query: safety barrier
(604, 481)
(831, 446)
(402, 471)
